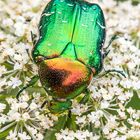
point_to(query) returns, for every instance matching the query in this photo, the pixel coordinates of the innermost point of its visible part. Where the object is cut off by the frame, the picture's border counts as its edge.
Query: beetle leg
(111, 40)
(69, 113)
(33, 80)
(113, 70)
(33, 37)
(30, 58)
(86, 97)
(106, 52)
(44, 103)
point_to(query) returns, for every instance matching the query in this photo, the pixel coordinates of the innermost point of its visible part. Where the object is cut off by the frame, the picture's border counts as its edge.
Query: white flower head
(24, 136)
(14, 82)
(12, 136)
(2, 107)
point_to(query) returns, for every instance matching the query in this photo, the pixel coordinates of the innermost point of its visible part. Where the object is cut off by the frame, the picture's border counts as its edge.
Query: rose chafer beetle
(69, 50)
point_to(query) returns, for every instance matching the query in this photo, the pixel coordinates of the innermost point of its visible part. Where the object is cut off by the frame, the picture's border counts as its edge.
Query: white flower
(81, 120)
(94, 117)
(3, 119)
(2, 36)
(121, 138)
(133, 134)
(23, 105)
(78, 109)
(12, 136)
(9, 51)
(14, 116)
(20, 28)
(113, 135)
(2, 70)
(8, 22)
(122, 114)
(32, 130)
(39, 136)
(65, 135)
(104, 104)
(45, 121)
(95, 137)
(83, 135)
(33, 106)
(26, 116)
(2, 107)
(14, 82)
(70, 135)
(136, 85)
(106, 130)
(24, 136)
(35, 3)
(32, 118)
(18, 66)
(17, 57)
(24, 99)
(2, 83)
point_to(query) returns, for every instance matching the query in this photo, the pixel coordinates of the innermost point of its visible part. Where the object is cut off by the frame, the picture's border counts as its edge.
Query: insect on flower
(69, 50)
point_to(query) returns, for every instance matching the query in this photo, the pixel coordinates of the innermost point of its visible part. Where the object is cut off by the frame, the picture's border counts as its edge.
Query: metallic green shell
(72, 29)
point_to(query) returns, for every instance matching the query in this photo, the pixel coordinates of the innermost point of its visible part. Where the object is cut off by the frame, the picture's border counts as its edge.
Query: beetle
(69, 50)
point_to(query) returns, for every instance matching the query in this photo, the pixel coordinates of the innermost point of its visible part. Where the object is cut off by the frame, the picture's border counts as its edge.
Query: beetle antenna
(33, 80)
(44, 103)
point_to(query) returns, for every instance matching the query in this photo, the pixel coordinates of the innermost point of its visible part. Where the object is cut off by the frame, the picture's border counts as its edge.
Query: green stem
(7, 127)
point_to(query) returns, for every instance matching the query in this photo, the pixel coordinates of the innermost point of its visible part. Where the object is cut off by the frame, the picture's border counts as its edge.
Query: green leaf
(71, 124)
(135, 102)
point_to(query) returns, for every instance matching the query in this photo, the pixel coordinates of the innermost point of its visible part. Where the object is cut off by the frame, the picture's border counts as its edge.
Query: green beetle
(68, 52)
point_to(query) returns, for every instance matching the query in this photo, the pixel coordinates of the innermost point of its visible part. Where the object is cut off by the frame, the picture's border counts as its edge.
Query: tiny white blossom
(20, 28)
(39, 136)
(14, 116)
(33, 106)
(81, 120)
(14, 82)
(2, 107)
(2, 70)
(104, 104)
(12, 136)
(26, 116)
(24, 136)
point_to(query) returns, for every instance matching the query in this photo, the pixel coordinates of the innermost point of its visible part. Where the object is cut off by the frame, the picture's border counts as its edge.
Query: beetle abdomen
(64, 78)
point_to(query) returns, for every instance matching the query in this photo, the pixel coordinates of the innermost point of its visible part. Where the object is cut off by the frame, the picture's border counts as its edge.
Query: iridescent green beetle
(68, 52)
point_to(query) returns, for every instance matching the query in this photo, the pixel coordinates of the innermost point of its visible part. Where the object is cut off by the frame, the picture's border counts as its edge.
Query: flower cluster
(25, 118)
(113, 110)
